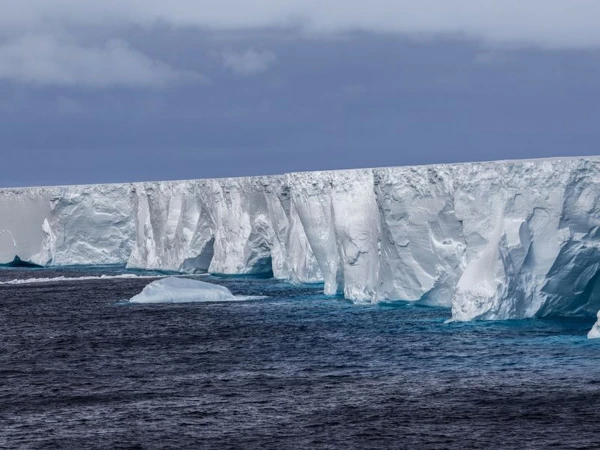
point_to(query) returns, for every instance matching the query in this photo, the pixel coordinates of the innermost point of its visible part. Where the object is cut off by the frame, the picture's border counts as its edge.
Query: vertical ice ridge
(356, 225)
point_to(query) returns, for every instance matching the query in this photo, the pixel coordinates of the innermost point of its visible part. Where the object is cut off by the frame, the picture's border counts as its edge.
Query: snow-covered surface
(183, 290)
(493, 240)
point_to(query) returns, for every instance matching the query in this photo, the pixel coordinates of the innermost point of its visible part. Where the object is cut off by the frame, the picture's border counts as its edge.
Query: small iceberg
(184, 290)
(595, 331)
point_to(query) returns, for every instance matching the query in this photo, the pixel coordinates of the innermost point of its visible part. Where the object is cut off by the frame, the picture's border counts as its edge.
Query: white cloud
(46, 60)
(545, 23)
(33, 47)
(248, 62)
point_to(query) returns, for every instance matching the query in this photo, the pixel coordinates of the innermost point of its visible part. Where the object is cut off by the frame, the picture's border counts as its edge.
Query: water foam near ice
(492, 240)
(63, 279)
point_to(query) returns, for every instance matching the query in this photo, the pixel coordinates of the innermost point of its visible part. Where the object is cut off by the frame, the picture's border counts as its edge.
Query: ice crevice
(491, 240)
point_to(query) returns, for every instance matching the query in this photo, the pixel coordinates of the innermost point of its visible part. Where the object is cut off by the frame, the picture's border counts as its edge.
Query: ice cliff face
(492, 240)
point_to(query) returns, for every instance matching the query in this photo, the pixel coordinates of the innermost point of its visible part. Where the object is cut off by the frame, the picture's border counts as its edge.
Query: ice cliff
(492, 240)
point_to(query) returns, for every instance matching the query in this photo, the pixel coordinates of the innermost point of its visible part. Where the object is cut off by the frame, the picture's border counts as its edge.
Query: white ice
(182, 290)
(595, 331)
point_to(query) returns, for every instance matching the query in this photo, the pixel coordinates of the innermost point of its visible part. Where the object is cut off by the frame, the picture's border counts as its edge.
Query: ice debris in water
(183, 290)
(595, 331)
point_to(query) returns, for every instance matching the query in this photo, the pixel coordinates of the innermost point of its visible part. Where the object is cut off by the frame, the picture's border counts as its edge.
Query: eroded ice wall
(67, 225)
(492, 240)
(23, 223)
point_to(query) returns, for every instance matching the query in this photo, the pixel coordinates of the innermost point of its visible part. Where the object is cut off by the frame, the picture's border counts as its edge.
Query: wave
(250, 297)
(235, 298)
(84, 278)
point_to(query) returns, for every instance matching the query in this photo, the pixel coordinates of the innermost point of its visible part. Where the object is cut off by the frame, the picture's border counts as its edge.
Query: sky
(132, 90)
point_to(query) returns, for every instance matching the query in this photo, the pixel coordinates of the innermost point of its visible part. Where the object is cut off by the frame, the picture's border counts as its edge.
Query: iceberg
(595, 331)
(182, 290)
(490, 240)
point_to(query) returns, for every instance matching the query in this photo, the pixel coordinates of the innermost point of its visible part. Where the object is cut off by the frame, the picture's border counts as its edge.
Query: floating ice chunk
(595, 331)
(183, 290)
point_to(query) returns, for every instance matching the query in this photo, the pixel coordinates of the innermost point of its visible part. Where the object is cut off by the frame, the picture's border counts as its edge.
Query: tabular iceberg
(492, 240)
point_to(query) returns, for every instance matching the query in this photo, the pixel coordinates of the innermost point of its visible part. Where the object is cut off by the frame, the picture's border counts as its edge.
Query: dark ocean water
(79, 369)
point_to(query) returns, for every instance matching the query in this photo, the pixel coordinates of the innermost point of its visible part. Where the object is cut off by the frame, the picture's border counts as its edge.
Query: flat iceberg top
(267, 179)
(182, 290)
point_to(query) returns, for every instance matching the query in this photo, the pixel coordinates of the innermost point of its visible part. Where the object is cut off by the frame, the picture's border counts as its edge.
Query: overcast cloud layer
(42, 40)
(137, 90)
(546, 23)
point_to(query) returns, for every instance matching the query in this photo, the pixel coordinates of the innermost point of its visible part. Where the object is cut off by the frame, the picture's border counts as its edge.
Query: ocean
(82, 368)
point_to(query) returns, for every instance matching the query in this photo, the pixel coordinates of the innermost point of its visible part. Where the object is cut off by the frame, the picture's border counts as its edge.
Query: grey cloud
(56, 43)
(490, 58)
(544, 23)
(248, 62)
(68, 106)
(422, 102)
(48, 61)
